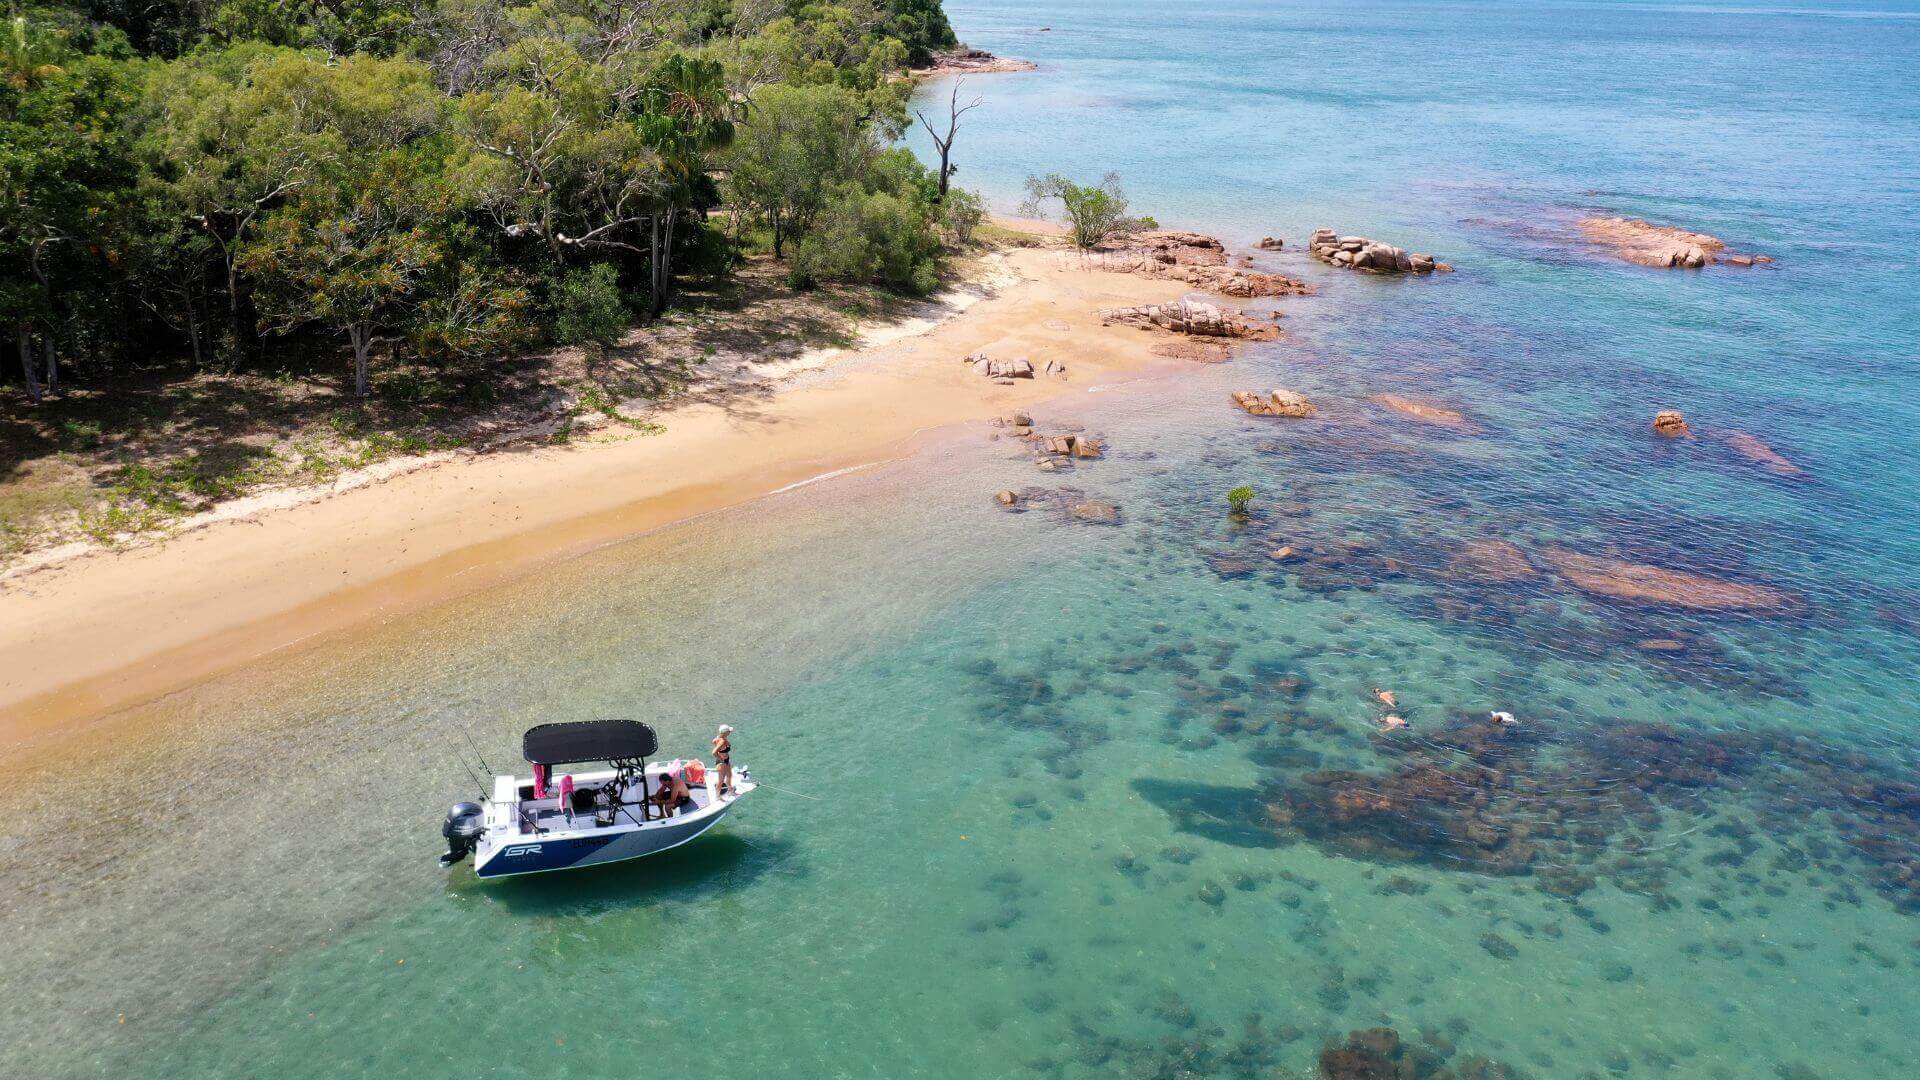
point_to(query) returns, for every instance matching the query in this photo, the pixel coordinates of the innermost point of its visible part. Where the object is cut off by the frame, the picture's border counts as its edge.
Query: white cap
(726, 729)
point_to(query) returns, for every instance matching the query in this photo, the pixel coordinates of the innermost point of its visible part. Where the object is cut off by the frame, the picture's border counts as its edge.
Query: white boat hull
(506, 850)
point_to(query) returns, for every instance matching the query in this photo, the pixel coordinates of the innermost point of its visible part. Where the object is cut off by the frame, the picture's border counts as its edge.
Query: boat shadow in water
(702, 871)
(1226, 815)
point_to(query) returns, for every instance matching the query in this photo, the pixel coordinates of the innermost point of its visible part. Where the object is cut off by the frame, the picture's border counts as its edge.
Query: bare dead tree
(955, 111)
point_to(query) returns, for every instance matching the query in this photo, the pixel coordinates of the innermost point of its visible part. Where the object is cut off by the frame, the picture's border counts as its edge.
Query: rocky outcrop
(1195, 318)
(1751, 448)
(1000, 371)
(1360, 253)
(1660, 246)
(1273, 403)
(1425, 413)
(1671, 423)
(1194, 258)
(1071, 446)
(1173, 247)
(1654, 586)
(1270, 243)
(966, 61)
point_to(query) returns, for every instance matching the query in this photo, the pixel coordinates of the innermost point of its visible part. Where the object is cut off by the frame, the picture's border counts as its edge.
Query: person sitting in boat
(671, 795)
(723, 761)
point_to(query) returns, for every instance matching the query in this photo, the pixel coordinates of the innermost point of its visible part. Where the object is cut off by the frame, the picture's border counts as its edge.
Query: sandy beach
(99, 632)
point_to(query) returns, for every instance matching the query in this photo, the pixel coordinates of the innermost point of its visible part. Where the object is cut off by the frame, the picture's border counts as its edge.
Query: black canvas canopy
(589, 740)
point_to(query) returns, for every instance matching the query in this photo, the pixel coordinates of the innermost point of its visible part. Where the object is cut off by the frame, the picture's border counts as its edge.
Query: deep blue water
(1092, 801)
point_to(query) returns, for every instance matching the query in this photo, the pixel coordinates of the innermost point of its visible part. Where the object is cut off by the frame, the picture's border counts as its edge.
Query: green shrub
(1095, 213)
(960, 213)
(1240, 498)
(588, 308)
(873, 237)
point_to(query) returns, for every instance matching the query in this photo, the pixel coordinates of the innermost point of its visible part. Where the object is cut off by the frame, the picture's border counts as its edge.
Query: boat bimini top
(589, 740)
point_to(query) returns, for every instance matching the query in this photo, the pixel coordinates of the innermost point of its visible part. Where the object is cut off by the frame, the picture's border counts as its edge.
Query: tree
(1094, 214)
(685, 118)
(944, 143)
(797, 144)
(65, 181)
(557, 159)
(226, 140)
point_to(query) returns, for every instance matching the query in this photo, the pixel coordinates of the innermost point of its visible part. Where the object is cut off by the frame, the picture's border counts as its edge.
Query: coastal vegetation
(1239, 499)
(337, 226)
(1095, 213)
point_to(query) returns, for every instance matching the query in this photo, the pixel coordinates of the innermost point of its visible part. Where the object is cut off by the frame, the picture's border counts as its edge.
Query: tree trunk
(193, 337)
(945, 172)
(48, 346)
(26, 362)
(777, 237)
(362, 340)
(664, 263)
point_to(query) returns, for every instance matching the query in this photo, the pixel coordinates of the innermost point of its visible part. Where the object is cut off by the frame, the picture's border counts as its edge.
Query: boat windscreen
(589, 740)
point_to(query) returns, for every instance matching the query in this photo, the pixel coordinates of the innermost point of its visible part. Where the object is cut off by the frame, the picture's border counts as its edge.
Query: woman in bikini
(723, 761)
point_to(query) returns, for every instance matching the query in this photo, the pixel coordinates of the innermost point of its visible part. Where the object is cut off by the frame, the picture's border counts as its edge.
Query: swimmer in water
(1392, 722)
(1385, 697)
(1504, 719)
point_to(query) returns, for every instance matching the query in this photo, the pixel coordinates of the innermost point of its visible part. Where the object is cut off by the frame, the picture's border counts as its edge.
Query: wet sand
(114, 628)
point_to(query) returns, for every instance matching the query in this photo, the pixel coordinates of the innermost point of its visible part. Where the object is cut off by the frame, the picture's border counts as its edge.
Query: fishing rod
(784, 791)
(476, 752)
(468, 769)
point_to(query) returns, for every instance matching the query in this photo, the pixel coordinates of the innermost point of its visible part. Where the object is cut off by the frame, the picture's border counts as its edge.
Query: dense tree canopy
(217, 182)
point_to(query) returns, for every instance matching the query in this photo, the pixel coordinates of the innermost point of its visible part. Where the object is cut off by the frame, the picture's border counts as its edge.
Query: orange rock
(1273, 403)
(1425, 413)
(1670, 422)
(1635, 583)
(1660, 246)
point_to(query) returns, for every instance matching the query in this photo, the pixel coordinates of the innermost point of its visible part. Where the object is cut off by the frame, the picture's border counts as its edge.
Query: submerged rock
(1492, 562)
(1498, 947)
(1758, 452)
(1426, 413)
(1095, 512)
(1636, 583)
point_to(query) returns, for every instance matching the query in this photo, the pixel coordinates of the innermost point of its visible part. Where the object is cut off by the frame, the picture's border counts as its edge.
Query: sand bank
(97, 633)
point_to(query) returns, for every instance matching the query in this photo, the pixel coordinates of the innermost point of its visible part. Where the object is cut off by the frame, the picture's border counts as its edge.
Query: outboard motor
(465, 823)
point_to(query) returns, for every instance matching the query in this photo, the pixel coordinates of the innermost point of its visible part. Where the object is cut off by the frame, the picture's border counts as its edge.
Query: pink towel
(539, 781)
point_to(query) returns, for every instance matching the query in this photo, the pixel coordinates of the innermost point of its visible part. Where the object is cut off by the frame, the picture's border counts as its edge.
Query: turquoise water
(1093, 801)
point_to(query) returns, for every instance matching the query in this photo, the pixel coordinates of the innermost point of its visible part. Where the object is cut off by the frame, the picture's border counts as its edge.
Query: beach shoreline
(87, 636)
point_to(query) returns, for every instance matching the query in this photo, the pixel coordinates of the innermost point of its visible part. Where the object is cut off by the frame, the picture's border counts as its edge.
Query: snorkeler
(1504, 719)
(1393, 722)
(1385, 697)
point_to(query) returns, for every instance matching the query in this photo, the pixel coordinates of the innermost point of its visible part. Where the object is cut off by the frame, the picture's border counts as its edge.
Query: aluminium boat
(607, 815)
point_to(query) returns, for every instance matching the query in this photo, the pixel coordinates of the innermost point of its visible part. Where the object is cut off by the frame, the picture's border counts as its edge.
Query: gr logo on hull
(521, 849)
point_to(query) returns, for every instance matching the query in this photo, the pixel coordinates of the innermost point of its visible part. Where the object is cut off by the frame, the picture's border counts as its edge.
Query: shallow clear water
(1080, 794)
